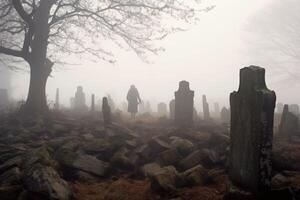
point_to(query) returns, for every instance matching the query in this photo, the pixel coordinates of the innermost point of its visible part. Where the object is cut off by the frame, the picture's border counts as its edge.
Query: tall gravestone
(56, 104)
(162, 109)
(206, 114)
(225, 115)
(217, 109)
(289, 122)
(106, 111)
(184, 105)
(172, 109)
(79, 100)
(251, 135)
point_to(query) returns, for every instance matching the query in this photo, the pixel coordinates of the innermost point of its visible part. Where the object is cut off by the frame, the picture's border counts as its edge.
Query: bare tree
(275, 31)
(40, 31)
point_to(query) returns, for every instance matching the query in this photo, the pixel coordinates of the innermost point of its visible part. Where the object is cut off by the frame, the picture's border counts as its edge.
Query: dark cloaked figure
(133, 98)
(106, 111)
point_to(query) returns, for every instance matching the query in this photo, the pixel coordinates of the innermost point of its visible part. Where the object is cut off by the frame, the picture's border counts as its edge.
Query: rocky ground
(81, 159)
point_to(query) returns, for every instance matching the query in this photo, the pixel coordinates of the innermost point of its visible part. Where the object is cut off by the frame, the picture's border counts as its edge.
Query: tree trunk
(40, 66)
(36, 100)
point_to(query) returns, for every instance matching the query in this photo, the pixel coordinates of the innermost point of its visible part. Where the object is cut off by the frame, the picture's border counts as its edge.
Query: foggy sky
(209, 56)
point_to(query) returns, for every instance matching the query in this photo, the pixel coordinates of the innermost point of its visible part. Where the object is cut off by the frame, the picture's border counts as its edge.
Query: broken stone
(45, 180)
(165, 180)
(91, 165)
(252, 111)
(150, 169)
(191, 160)
(10, 177)
(183, 146)
(195, 176)
(169, 157)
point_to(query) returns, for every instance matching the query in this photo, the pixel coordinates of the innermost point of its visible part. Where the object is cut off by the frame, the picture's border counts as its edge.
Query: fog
(208, 55)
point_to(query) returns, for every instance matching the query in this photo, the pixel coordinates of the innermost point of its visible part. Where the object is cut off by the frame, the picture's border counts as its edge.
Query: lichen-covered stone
(252, 114)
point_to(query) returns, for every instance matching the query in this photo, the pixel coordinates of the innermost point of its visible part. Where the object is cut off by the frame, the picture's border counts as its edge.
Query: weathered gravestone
(79, 100)
(289, 122)
(56, 104)
(172, 108)
(225, 115)
(252, 113)
(294, 108)
(206, 114)
(184, 105)
(162, 109)
(279, 108)
(217, 109)
(106, 111)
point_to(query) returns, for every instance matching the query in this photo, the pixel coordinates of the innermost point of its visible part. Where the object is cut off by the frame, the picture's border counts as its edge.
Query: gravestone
(162, 109)
(56, 104)
(93, 103)
(294, 108)
(289, 122)
(79, 100)
(217, 109)
(252, 114)
(206, 114)
(225, 115)
(172, 109)
(279, 108)
(106, 111)
(184, 105)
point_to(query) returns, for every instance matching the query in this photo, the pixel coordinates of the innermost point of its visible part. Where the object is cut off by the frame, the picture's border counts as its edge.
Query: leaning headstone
(172, 109)
(252, 114)
(289, 122)
(206, 114)
(294, 108)
(184, 105)
(106, 111)
(162, 109)
(56, 105)
(225, 115)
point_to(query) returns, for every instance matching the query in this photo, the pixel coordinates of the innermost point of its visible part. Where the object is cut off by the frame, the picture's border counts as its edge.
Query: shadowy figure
(133, 98)
(106, 111)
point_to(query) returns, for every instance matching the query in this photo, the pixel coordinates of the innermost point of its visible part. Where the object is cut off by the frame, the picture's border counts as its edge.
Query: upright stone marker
(172, 109)
(252, 114)
(106, 111)
(289, 122)
(162, 109)
(217, 110)
(225, 115)
(184, 105)
(206, 114)
(56, 105)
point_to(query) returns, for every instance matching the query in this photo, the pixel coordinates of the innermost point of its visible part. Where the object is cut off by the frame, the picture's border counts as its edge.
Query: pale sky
(209, 56)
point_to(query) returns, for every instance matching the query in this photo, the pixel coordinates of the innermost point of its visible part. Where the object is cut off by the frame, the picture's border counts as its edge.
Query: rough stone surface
(184, 105)
(252, 114)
